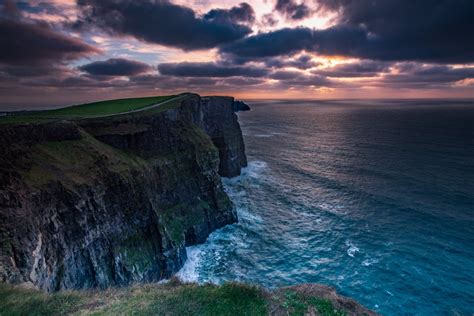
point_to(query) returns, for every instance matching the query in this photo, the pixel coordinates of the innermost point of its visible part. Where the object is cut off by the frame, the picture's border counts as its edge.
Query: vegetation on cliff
(175, 298)
(96, 109)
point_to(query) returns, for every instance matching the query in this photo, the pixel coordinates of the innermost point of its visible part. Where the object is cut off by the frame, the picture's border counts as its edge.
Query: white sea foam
(254, 168)
(189, 272)
(244, 214)
(213, 248)
(236, 189)
(368, 262)
(352, 250)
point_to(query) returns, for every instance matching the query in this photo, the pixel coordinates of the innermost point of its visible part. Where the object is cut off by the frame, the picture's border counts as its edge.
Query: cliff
(114, 200)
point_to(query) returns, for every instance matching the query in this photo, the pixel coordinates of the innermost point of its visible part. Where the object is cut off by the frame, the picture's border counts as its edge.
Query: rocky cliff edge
(115, 200)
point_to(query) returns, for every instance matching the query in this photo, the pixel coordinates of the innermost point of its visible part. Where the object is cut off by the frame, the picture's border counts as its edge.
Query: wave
(189, 272)
(217, 243)
(352, 250)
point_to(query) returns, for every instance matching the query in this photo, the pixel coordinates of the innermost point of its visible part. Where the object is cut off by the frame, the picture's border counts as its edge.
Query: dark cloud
(307, 80)
(239, 81)
(33, 71)
(426, 76)
(301, 62)
(34, 50)
(438, 31)
(35, 43)
(288, 41)
(425, 30)
(269, 20)
(241, 13)
(285, 75)
(9, 9)
(293, 10)
(41, 7)
(365, 68)
(159, 22)
(115, 67)
(186, 69)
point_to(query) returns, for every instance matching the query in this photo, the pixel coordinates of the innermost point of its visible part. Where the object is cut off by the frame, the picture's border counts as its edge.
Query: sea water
(374, 198)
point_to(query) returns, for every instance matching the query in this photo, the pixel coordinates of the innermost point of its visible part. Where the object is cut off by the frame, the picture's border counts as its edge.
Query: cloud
(40, 7)
(269, 20)
(426, 76)
(288, 41)
(285, 75)
(160, 22)
(301, 62)
(439, 31)
(209, 69)
(293, 10)
(423, 30)
(241, 13)
(35, 43)
(364, 68)
(306, 80)
(115, 67)
(33, 71)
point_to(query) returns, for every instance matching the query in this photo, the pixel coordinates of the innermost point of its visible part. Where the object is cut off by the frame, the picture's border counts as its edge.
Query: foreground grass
(182, 299)
(90, 110)
(296, 304)
(166, 299)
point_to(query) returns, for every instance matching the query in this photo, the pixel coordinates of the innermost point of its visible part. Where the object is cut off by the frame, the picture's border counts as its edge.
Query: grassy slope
(168, 299)
(91, 110)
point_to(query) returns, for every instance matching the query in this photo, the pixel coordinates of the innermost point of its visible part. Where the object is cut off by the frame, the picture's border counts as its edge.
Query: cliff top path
(97, 109)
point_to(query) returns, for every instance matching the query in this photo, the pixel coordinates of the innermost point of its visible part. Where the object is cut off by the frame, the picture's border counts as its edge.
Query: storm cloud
(439, 31)
(365, 68)
(209, 69)
(288, 41)
(159, 22)
(293, 10)
(241, 13)
(115, 67)
(36, 43)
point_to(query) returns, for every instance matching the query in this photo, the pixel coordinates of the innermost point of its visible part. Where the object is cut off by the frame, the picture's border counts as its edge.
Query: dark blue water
(373, 198)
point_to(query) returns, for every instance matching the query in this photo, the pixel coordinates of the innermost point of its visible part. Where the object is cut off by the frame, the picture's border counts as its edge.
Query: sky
(62, 52)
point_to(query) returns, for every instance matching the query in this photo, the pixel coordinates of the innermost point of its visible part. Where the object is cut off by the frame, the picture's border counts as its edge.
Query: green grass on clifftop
(182, 299)
(95, 109)
(173, 298)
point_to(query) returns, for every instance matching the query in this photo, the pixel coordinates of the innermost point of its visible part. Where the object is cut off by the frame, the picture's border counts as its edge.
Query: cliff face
(225, 133)
(110, 201)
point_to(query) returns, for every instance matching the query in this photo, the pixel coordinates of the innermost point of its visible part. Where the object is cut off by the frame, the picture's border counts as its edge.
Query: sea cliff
(114, 200)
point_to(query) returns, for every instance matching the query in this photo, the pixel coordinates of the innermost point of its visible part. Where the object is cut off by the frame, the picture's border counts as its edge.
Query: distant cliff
(109, 201)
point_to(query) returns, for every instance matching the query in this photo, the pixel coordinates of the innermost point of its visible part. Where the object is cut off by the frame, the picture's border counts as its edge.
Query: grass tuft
(152, 299)
(296, 304)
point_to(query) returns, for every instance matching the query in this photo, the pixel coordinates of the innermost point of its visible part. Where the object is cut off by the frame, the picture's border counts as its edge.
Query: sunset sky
(63, 52)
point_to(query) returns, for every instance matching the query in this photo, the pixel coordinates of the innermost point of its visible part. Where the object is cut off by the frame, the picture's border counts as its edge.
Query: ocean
(374, 198)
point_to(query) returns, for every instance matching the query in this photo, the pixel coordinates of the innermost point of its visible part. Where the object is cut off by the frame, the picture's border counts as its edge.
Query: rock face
(110, 201)
(225, 134)
(240, 106)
